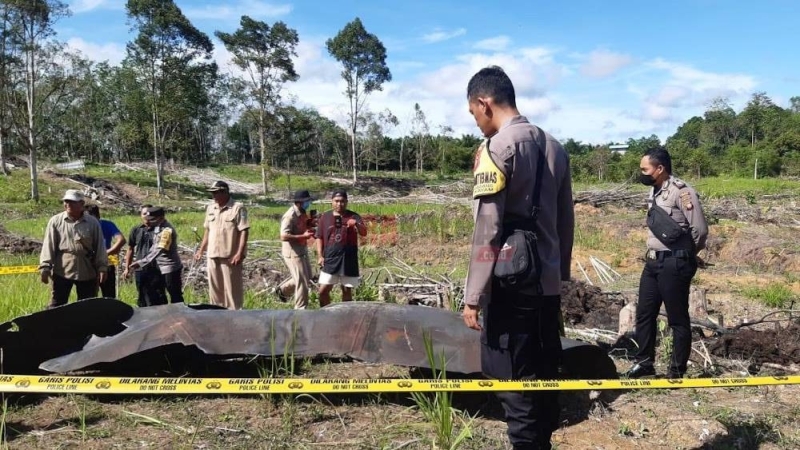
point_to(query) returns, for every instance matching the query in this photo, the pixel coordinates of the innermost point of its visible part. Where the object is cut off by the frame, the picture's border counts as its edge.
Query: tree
(163, 53)
(421, 132)
(794, 105)
(754, 115)
(264, 53)
(31, 25)
(363, 58)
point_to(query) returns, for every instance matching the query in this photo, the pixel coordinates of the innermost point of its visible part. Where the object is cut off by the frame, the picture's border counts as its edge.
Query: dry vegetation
(754, 259)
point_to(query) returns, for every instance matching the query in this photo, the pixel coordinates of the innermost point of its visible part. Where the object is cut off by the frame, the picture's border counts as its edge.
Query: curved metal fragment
(365, 331)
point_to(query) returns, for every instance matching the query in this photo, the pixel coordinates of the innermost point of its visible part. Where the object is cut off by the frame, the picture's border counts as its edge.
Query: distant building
(618, 148)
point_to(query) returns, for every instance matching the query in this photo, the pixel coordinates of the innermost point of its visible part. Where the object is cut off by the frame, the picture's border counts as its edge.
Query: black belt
(661, 254)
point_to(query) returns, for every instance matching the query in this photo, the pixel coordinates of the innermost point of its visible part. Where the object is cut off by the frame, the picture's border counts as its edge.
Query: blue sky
(593, 70)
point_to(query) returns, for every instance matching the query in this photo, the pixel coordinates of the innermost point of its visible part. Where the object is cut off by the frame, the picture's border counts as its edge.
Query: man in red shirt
(337, 247)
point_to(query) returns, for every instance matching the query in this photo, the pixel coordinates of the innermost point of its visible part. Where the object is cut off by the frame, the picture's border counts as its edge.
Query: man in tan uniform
(520, 329)
(295, 233)
(73, 252)
(670, 263)
(226, 230)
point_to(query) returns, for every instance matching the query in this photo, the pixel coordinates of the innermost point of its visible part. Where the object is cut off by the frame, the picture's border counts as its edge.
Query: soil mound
(18, 245)
(760, 346)
(586, 305)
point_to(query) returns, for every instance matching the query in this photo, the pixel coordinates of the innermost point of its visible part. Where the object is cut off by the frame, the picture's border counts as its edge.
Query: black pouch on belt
(664, 228)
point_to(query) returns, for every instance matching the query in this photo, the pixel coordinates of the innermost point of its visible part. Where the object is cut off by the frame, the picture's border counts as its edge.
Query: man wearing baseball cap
(225, 236)
(73, 252)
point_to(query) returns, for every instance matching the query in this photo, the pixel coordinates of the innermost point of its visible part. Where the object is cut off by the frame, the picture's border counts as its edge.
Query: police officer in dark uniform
(677, 231)
(520, 329)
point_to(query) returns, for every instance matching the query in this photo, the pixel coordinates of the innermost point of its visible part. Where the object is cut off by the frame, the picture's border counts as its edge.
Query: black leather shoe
(279, 293)
(674, 375)
(639, 371)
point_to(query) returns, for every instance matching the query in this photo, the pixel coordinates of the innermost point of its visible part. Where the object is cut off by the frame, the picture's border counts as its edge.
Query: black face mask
(647, 180)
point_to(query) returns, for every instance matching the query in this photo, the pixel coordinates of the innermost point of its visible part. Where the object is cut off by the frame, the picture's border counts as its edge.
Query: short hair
(492, 82)
(659, 156)
(93, 210)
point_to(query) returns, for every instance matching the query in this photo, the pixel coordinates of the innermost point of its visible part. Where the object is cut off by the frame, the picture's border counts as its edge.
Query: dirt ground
(758, 249)
(18, 245)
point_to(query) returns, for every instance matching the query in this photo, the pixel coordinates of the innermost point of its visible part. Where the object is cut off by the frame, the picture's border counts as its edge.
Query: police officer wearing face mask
(296, 229)
(677, 230)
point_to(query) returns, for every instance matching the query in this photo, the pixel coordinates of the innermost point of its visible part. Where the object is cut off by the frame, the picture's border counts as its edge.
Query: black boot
(640, 370)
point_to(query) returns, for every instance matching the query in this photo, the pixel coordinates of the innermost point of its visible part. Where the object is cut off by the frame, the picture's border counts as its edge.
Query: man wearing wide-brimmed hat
(296, 229)
(226, 230)
(73, 252)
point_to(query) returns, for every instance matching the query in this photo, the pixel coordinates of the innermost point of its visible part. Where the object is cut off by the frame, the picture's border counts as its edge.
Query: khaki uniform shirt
(225, 226)
(505, 171)
(682, 203)
(296, 223)
(74, 249)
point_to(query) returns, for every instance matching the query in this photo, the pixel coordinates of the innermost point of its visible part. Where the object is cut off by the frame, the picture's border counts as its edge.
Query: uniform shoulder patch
(680, 184)
(686, 200)
(489, 179)
(165, 239)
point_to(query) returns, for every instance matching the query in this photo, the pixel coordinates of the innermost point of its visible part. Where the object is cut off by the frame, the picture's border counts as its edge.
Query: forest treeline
(168, 100)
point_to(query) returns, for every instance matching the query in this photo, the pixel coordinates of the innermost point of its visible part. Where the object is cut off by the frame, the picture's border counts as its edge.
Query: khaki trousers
(300, 273)
(225, 283)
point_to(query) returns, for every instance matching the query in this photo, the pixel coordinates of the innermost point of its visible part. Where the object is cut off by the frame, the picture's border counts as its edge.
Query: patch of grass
(774, 295)
(722, 187)
(745, 430)
(438, 410)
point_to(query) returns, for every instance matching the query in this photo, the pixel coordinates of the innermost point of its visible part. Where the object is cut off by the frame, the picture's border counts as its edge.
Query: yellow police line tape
(113, 260)
(130, 385)
(16, 270)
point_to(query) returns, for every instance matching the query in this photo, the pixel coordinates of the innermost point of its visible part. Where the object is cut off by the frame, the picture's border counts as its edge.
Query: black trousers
(667, 280)
(109, 287)
(520, 340)
(59, 295)
(150, 287)
(174, 286)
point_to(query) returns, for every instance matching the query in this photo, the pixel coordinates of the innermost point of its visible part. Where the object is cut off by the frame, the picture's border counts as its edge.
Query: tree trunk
(263, 147)
(31, 97)
(355, 179)
(402, 144)
(156, 155)
(3, 167)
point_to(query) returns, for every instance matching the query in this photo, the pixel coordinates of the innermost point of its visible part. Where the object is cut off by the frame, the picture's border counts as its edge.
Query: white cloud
(496, 43)
(602, 63)
(441, 35)
(82, 6)
(699, 81)
(112, 52)
(440, 92)
(676, 91)
(234, 10)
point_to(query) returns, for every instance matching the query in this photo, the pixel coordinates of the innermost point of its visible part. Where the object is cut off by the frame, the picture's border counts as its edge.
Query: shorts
(326, 278)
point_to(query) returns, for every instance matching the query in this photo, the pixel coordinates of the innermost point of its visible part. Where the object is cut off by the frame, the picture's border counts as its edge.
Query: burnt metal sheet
(365, 331)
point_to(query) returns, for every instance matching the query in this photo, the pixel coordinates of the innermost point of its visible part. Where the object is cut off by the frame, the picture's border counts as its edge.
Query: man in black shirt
(149, 283)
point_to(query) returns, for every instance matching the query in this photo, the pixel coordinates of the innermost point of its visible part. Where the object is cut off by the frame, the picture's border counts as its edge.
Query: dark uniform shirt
(163, 250)
(141, 240)
(682, 203)
(505, 171)
(339, 243)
